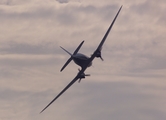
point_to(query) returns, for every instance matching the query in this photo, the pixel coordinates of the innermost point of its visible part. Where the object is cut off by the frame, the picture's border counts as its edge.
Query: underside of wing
(71, 83)
(97, 53)
(109, 29)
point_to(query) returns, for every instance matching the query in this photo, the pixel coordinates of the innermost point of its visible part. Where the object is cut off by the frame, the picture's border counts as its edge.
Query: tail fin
(71, 58)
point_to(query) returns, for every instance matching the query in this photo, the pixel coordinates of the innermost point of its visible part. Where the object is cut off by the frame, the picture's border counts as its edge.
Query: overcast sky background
(130, 83)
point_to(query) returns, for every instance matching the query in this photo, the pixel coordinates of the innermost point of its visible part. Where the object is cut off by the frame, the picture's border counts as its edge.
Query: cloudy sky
(130, 83)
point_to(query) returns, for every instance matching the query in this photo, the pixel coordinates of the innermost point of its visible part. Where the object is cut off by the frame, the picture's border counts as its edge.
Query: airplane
(83, 61)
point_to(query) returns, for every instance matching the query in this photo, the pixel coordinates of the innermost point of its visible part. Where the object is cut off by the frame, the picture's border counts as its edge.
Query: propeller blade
(68, 61)
(75, 52)
(66, 51)
(87, 74)
(79, 80)
(101, 58)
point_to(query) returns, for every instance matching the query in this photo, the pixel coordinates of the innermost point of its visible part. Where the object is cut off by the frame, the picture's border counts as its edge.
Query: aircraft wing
(106, 34)
(70, 84)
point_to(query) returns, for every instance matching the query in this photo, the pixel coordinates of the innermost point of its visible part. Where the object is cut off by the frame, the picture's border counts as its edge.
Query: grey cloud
(5, 2)
(114, 100)
(69, 14)
(148, 8)
(14, 2)
(63, 1)
(29, 61)
(153, 114)
(133, 50)
(142, 8)
(62, 16)
(17, 102)
(66, 18)
(25, 48)
(135, 58)
(14, 95)
(30, 55)
(143, 62)
(108, 11)
(91, 100)
(33, 13)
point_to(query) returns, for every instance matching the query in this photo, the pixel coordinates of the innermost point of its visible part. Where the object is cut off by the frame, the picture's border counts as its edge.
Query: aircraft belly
(81, 62)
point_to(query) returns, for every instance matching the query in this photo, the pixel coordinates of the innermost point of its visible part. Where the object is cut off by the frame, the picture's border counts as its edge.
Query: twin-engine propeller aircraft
(83, 61)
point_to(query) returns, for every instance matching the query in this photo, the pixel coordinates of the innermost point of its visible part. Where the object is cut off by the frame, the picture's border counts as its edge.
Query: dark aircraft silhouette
(83, 61)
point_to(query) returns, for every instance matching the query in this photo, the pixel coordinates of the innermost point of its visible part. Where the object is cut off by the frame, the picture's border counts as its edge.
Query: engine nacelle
(82, 76)
(98, 55)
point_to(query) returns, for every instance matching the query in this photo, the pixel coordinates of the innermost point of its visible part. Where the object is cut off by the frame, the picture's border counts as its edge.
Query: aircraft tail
(71, 58)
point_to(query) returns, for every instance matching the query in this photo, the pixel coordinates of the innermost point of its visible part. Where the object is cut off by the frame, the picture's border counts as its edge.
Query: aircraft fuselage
(81, 60)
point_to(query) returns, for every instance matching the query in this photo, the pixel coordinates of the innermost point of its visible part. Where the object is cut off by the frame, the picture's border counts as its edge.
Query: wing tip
(44, 108)
(41, 111)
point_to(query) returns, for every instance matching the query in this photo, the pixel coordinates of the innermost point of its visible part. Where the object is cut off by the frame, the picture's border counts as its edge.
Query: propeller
(82, 75)
(71, 55)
